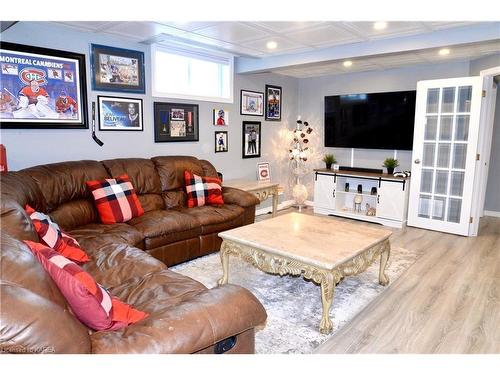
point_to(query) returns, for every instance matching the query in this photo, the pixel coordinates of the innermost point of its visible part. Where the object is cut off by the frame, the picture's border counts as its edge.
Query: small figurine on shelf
(370, 211)
(374, 190)
(358, 199)
(360, 189)
(346, 188)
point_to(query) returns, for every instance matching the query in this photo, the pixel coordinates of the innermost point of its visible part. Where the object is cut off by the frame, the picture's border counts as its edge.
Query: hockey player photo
(120, 113)
(220, 117)
(39, 89)
(66, 104)
(221, 141)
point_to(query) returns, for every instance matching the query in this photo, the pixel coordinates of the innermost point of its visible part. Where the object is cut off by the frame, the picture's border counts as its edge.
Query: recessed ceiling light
(347, 63)
(271, 44)
(444, 51)
(381, 25)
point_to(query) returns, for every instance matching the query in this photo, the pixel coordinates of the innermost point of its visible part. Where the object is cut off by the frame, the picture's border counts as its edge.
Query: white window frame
(200, 55)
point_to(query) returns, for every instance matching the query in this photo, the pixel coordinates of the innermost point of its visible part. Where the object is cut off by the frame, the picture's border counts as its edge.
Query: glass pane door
(444, 154)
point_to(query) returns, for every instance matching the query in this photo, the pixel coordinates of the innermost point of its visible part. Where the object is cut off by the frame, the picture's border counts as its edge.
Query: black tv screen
(380, 120)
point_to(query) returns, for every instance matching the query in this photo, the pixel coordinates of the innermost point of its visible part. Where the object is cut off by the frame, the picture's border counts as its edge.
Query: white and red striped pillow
(115, 199)
(203, 190)
(50, 233)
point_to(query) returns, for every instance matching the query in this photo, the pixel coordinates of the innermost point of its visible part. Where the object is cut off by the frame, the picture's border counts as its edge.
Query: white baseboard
(281, 206)
(492, 213)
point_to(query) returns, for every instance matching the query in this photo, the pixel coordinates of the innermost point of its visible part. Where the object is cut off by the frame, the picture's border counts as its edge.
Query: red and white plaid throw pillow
(115, 199)
(50, 233)
(89, 301)
(203, 190)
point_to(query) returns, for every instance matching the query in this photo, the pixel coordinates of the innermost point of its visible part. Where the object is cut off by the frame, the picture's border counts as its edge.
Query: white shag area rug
(293, 304)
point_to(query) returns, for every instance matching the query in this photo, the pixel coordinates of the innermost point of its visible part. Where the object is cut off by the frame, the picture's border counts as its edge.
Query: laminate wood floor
(448, 301)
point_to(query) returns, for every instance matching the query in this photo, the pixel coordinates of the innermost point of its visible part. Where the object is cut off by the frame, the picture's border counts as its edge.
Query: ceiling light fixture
(271, 44)
(347, 63)
(380, 25)
(444, 51)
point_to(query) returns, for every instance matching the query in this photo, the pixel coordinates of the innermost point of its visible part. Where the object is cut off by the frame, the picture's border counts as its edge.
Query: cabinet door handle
(334, 193)
(378, 198)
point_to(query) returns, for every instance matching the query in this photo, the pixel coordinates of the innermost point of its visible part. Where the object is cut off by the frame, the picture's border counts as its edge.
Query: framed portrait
(220, 117)
(273, 103)
(263, 172)
(42, 88)
(251, 139)
(251, 103)
(122, 114)
(176, 122)
(117, 69)
(221, 141)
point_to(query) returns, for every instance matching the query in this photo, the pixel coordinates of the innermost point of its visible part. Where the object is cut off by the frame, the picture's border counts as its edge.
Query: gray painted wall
(311, 106)
(492, 199)
(29, 147)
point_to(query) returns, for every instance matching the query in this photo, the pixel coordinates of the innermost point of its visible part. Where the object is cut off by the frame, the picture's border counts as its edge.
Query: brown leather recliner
(129, 259)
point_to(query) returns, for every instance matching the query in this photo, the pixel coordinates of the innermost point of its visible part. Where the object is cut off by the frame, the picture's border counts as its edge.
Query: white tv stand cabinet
(390, 200)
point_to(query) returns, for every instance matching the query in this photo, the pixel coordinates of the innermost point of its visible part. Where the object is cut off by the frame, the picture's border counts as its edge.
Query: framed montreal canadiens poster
(42, 88)
(123, 114)
(117, 69)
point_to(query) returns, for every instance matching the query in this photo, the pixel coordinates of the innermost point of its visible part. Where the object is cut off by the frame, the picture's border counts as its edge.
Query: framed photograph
(42, 88)
(123, 114)
(220, 117)
(117, 69)
(221, 141)
(251, 139)
(263, 172)
(251, 103)
(273, 103)
(176, 122)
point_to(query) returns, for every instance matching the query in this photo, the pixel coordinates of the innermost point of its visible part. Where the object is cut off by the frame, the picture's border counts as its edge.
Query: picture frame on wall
(273, 103)
(117, 69)
(120, 114)
(176, 122)
(251, 103)
(221, 141)
(42, 88)
(251, 139)
(263, 172)
(220, 117)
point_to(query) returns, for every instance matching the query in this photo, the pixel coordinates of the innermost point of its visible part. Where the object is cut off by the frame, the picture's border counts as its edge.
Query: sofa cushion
(31, 324)
(50, 234)
(114, 263)
(202, 191)
(171, 170)
(142, 173)
(162, 227)
(89, 301)
(216, 219)
(115, 199)
(91, 236)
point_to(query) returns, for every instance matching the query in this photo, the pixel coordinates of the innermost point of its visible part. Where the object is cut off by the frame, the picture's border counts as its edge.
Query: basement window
(192, 75)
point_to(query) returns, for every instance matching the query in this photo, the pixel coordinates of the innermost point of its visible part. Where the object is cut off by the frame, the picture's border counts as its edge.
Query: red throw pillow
(203, 190)
(115, 199)
(89, 301)
(50, 233)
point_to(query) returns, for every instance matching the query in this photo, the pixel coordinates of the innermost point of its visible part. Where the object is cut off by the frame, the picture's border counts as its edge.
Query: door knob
(417, 161)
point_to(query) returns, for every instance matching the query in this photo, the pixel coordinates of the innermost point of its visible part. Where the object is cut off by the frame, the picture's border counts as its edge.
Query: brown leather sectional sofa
(130, 259)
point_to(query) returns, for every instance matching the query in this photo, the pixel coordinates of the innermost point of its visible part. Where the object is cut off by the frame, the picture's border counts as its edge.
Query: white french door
(445, 141)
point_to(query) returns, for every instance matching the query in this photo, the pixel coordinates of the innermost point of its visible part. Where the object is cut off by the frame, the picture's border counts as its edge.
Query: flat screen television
(378, 120)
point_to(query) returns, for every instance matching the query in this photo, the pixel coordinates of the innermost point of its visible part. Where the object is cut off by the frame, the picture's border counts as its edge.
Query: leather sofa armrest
(194, 324)
(239, 197)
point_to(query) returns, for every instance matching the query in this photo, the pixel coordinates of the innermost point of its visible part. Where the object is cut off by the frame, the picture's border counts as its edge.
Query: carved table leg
(224, 257)
(327, 289)
(275, 202)
(383, 279)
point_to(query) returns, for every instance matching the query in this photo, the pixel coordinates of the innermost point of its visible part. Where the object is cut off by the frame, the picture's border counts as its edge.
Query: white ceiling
(248, 39)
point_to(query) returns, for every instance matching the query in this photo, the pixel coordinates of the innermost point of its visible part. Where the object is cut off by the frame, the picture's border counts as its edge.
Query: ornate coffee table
(320, 249)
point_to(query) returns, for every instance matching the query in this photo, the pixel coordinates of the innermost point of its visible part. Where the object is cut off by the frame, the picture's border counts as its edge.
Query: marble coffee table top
(318, 240)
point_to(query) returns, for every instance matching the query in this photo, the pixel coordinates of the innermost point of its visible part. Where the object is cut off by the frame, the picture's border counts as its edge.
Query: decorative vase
(299, 193)
(390, 170)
